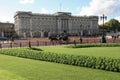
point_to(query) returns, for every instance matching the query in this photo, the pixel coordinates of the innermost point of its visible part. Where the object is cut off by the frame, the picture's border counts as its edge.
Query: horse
(58, 38)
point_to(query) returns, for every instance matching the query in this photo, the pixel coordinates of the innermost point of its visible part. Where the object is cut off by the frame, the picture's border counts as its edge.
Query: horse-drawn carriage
(59, 38)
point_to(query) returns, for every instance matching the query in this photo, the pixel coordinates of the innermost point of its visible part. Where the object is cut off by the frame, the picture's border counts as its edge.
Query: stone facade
(28, 24)
(6, 29)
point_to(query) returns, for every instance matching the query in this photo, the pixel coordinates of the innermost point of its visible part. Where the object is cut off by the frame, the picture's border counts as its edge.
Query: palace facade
(28, 24)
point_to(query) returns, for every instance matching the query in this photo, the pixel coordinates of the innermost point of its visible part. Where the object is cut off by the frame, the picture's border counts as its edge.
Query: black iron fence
(44, 42)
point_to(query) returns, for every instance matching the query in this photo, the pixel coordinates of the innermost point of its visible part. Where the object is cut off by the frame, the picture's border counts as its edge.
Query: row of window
(52, 19)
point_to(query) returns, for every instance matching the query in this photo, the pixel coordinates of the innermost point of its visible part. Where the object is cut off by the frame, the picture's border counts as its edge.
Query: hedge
(103, 63)
(94, 45)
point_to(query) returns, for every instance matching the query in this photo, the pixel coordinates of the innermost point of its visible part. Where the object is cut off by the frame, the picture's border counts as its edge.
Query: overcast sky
(111, 8)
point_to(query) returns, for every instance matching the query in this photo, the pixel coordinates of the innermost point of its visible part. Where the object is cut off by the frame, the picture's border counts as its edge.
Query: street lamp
(103, 17)
(11, 31)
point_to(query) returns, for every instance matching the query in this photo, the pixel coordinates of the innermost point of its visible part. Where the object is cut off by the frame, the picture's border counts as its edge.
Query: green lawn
(14, 68)
(93, 51)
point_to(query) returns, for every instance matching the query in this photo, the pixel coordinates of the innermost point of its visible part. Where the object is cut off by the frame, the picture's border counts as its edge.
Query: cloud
(6, 19)
(99, 7)
(26, 1)
(43, 10)
(118, 18)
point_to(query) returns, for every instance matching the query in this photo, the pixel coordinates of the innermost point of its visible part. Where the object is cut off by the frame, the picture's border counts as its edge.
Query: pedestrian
(75, 43)
(0, 46)
(81, 40)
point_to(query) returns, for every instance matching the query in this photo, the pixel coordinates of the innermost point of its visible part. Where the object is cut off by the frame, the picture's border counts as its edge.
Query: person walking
(81, 40)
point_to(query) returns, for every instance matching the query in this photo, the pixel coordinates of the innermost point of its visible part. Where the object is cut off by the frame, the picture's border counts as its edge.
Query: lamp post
(11, 33)
(103, 17)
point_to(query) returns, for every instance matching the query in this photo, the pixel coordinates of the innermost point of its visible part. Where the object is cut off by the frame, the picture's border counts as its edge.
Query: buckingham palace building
(28, 24)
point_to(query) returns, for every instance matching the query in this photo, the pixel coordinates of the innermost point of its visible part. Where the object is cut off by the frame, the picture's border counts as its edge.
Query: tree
(111, 25)
(106, 26)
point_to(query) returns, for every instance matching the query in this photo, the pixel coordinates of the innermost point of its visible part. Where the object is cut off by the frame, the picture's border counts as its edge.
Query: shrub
(103, 63)
(94, 45)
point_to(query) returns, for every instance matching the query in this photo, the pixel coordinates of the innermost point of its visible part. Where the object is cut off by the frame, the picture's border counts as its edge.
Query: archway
(37, 34)
(45, 34)
(85, 33)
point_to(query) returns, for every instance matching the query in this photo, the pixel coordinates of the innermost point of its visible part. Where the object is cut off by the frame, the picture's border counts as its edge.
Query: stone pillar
(42, 34)
(31, 34)
(70, 26)
(49, 33)
(24, 34)
(89, 32)
(19, 26)
(2, 34)
(59, 25)
(82, 33)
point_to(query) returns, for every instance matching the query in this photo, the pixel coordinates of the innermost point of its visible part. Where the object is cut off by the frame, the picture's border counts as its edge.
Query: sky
(110, 8)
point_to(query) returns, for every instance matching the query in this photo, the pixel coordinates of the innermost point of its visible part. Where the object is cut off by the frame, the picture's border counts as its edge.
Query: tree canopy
(111, 25)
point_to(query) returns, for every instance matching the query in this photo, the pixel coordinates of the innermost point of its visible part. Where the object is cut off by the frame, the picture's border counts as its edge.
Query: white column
(59, 26)
(91, 24)
(89, 32)
(24, 34)
(2, 34)
(42, 34)
(49, 33)
(31, 34)
(81, 33)
(70, 26)
(19, 26)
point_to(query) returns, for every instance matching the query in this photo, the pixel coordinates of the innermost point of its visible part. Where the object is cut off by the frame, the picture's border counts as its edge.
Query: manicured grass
(113, 52)
(6, 75)
(15, 68)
